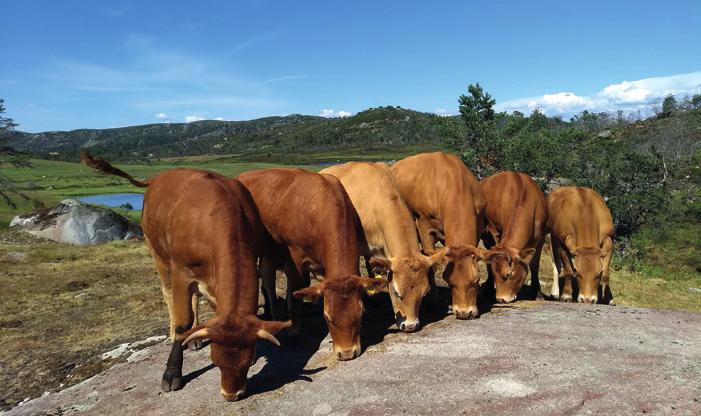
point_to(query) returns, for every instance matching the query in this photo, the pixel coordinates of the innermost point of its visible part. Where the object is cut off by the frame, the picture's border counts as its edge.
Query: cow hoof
(566, 299)
(611, 303)
(195, 345)
(171, 382)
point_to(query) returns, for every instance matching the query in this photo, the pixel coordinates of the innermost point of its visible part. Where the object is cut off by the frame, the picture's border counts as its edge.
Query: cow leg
(557, 267)
(606, 295)
(197, 344)
(488, 288)
(295, 281)
(567, 275)
(535, 268)
(181, 319)
(428, 242)
(267, 274)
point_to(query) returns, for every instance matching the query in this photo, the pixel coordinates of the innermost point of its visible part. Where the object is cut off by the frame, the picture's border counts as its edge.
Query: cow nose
(232, 397)
(348, 354)
(409, 326)
(506, 300)
(590, 299)
(469, 313)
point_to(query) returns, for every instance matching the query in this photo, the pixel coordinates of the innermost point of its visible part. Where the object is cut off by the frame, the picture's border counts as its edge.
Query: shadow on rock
(287, 364)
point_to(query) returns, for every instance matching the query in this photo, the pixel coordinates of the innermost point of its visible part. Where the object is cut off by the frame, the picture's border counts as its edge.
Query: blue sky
(99, 64)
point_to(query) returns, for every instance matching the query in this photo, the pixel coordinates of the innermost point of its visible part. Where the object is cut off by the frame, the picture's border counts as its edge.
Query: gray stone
(74, 222)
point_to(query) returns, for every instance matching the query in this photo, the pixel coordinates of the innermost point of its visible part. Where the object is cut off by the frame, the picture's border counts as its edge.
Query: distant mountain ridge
(384, 126)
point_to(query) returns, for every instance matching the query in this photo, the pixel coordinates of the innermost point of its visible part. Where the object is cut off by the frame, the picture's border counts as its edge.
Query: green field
(48, 182)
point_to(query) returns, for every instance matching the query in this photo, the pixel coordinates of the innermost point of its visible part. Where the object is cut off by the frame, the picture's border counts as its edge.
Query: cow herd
(215, 237)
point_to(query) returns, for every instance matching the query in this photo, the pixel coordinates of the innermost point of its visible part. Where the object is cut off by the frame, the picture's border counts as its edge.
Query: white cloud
(444, 112)
(628, 96)
(161, 116)
(219, 118)
(329, 113)
(190, 119)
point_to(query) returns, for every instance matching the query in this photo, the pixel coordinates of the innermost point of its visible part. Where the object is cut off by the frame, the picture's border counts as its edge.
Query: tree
(6, 124)
(669, 105)
(8, 156)
(479, 147)
(696, 100)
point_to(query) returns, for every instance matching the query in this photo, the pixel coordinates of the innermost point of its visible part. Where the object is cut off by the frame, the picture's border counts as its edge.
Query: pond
(115, 200)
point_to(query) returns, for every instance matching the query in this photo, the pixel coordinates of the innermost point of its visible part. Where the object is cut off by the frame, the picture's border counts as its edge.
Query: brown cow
(204, 234)
(448, 205)
(389, 236)
(316, 228)
(581, 231)
(516, 219)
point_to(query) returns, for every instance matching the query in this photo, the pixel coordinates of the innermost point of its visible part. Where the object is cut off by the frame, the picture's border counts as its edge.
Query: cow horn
(263, 334)
(199, 334)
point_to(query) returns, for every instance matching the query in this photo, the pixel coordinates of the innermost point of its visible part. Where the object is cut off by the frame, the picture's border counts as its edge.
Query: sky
(100, 64)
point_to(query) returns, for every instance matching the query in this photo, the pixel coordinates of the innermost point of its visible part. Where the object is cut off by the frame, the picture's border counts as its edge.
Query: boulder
(75, 222)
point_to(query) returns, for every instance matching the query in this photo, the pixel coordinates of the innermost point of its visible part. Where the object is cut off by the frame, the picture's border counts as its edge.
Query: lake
(115, 200)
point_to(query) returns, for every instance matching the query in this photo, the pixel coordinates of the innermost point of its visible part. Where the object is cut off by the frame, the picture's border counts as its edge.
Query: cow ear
(380, 265)
(437, 257)
(606, 247)
(526, 255)
(571, 244)
(490, 255)
(268, 329)
(311, 291)
(372, 285)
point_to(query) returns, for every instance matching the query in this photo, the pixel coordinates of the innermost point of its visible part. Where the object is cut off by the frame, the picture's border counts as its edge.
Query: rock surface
(74, 222)
(534, 358)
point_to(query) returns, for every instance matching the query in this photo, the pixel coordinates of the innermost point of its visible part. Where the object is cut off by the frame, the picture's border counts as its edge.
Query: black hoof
(171, 382)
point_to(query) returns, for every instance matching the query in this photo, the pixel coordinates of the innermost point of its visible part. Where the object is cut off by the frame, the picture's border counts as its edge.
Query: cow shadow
(288, 363)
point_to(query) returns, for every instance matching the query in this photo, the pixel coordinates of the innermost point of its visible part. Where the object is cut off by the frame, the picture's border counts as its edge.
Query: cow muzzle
(588, 299)
(503, 299)
(232, 397)
(347, 354)
(406, 325)
(469, 313)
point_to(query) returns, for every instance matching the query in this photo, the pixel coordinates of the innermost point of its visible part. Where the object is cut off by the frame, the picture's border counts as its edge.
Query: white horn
(263, 334)
(199, 334)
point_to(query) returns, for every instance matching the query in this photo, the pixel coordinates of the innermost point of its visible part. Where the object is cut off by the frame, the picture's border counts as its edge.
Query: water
(115, 200)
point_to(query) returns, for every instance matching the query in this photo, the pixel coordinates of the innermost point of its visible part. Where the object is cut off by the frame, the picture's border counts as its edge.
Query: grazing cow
(448, 204)
(316, 229)
(204, 233)
(581, 231)
(390, 244)
(516, 219)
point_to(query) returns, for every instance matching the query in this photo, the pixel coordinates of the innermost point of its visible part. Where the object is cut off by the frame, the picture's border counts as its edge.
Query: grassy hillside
(261, 138)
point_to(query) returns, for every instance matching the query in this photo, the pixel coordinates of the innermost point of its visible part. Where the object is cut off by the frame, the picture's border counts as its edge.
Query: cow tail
(100, 165)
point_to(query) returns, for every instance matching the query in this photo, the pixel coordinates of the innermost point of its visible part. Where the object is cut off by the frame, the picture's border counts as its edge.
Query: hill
(382, 127)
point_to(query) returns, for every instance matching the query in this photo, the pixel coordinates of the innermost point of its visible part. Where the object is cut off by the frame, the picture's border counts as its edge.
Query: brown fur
(204, 233)
(516, 221)
(315, 227)
(388, 234)
(446, 200)
(581, 231)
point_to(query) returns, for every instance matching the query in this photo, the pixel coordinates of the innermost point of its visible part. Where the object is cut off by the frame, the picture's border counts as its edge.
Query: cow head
(408, 284)
(233, 347)
(509, 269)
(588, 267)
(462, 274)
(343, 309)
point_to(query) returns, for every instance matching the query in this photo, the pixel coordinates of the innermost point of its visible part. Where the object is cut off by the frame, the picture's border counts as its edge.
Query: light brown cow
(581, 231)
(204, 233)
(316, 229)
(516, 222)
(448, 204)
(391, 245)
